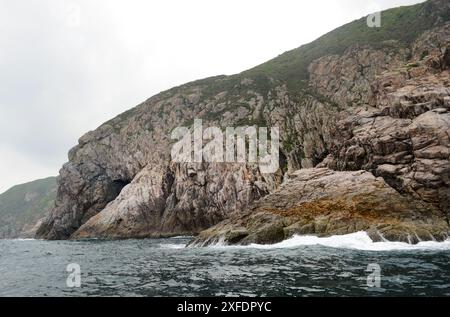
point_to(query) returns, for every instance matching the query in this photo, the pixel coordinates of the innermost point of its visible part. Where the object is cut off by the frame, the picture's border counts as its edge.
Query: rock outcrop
(355, 99)
(323, 202)
(403, 136)
(411, 155)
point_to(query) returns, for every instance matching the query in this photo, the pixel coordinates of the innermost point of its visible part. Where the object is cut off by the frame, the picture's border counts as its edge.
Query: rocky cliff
(23, 207)
(356, 99)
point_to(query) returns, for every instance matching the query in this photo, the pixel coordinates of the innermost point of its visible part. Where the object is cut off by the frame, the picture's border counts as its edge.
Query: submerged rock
(323, 202)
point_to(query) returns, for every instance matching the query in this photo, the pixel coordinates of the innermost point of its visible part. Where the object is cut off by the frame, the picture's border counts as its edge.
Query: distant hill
(22, 206)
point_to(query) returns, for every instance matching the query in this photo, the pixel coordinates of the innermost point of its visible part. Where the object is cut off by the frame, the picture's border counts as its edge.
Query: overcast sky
(67, 66)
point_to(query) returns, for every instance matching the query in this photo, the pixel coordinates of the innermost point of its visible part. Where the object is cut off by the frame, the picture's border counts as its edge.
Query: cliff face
(375, 100)
(23, 207)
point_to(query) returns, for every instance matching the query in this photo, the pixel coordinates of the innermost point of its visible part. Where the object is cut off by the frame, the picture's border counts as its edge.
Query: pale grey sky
(66, 66)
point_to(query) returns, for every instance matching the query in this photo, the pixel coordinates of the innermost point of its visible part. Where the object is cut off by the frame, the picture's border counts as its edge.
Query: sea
(351, 265)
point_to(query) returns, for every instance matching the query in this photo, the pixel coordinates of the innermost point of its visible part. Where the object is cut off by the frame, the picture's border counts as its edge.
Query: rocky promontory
(364, 119)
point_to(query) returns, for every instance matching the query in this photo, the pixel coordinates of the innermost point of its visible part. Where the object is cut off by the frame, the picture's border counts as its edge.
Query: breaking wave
(172, 246)
(354, 241)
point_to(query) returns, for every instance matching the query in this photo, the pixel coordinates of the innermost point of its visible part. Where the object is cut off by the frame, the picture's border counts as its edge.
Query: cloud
(67, 66)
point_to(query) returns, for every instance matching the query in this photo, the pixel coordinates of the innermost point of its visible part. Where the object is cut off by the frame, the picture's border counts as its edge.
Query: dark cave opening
(115, 188)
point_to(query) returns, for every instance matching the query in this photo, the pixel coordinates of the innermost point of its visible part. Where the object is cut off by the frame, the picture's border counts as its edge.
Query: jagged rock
(323, 202)
(413, 156)
(346, 79)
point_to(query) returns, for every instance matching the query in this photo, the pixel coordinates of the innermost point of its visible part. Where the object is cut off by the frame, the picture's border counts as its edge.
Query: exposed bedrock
(330, 203)
(177, 200)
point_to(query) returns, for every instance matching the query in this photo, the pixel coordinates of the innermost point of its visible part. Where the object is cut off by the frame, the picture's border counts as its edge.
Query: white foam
(172, 246)
(356, 241)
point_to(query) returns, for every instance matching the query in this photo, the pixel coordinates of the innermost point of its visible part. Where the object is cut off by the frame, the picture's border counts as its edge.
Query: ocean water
(349, 265)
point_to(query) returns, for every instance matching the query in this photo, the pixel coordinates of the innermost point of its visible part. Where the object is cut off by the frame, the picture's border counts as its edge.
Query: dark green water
(164, 268)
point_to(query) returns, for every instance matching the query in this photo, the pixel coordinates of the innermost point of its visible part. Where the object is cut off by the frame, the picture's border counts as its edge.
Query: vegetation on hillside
(291, 68)
(23, 205)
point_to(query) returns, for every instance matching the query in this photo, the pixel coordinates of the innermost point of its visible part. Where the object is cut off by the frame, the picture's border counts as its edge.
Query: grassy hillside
(23, 205)
(403, 25)
(400, 27)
